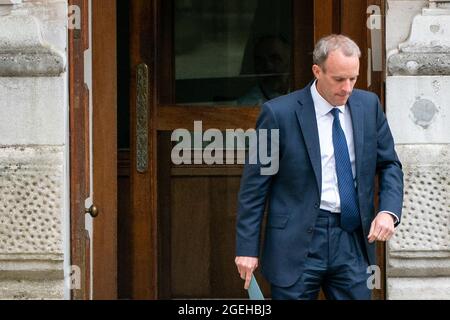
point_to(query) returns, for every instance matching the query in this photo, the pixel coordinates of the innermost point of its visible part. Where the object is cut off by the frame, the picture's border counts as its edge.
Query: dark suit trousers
(336, 262)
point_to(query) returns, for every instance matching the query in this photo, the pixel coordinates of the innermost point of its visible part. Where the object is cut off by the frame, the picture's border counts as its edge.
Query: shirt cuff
(396, 219)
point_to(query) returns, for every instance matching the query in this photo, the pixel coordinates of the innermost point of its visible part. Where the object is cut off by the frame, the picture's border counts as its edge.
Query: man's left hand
(382, 228)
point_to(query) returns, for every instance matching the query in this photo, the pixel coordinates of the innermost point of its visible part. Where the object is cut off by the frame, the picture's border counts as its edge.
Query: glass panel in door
(232, 52)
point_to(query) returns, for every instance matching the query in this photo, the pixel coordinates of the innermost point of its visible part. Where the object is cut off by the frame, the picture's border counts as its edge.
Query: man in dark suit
(321, 224)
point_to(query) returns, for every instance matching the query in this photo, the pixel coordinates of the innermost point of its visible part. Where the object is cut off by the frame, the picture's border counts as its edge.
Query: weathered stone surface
(31, 184)
(33, 106)
(10, 1)
(418, 110)
(51, 16)
(425, 227)
(20, 33)
(33, 111)
(420, 248)
(31, 290)
(44, 64)
(429, 34)
(399, 17)
(23, 52)
(412, 64)
(31, 210)
(418, 288)
(435, 5)
(427, 49)
(31, 266)
(401, 266)
(425, 224)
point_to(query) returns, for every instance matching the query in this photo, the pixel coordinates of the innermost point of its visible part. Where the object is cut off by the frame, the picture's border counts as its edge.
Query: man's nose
(347, 86)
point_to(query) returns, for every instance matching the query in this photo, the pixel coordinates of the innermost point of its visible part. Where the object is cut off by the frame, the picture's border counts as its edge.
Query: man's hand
(246, 266)
(382, 228)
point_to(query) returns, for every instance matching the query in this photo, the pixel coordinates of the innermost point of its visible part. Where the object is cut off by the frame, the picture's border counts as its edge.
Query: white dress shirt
(330, 200)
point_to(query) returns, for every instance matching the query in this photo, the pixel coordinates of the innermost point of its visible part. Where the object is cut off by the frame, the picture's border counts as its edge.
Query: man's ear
(316, 70)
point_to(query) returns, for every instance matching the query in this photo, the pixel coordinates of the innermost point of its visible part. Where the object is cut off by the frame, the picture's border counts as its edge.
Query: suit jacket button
(316, 206)
(310, 230)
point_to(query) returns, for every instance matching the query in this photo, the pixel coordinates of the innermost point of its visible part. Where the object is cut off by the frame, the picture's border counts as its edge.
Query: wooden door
(79, 150)
(94, 254)
(178, 222)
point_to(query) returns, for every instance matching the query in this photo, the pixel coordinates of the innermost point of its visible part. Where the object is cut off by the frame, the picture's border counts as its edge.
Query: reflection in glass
(232, 52)
(271, 69)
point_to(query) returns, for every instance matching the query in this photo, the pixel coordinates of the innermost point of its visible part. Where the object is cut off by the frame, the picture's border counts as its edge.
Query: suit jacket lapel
(357, 112)
(308, 123)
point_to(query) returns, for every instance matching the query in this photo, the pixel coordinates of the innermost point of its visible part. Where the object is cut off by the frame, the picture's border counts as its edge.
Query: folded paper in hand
(254, 292)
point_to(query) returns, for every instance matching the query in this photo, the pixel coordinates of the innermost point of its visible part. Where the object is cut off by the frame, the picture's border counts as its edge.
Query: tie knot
(335, 112)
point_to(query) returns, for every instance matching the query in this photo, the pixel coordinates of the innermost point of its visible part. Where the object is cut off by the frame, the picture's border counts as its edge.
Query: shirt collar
(321, 105)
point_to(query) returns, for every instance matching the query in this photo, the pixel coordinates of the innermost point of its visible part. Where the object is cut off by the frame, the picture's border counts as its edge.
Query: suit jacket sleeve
(389, 168)
(254, 190)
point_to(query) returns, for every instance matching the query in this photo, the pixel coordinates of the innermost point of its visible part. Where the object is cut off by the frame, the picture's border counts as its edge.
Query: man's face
(336, 80)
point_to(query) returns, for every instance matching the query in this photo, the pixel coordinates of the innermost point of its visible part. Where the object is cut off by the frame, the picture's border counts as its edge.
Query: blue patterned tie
(350, 219)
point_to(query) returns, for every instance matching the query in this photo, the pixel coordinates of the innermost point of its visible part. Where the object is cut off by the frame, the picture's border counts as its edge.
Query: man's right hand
(246, 266)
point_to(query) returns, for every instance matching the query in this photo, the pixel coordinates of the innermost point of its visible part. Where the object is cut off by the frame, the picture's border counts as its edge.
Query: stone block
(426, 50)
(23, 51)
(38, 23)
(425, 227)
(421, 245)
(399, 16)
(429, 33)
(32, 111)
(5, 2)
(418, 288)
(417, 109)
(407, 265)
(31, 266)
(31, 290)
(416, 64)
(31, 206)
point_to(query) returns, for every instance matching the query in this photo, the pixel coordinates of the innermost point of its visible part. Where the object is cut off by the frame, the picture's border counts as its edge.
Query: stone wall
(418, 110)
(33, 109)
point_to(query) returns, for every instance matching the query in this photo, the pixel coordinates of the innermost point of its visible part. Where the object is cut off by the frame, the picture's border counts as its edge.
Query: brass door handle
(93, 211)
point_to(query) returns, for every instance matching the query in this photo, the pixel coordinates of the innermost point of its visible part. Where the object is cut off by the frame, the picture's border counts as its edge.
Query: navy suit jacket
(293, 194)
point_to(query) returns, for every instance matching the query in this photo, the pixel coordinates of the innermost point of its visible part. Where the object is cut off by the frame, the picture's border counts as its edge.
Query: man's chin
(341, 101)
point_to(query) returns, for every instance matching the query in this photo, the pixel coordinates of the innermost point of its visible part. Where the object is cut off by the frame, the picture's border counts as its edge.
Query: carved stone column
(418, 109)
(33, 113)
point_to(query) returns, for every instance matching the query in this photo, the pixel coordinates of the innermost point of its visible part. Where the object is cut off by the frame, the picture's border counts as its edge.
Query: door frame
(104, 156)
(145, 239)
(78, 43)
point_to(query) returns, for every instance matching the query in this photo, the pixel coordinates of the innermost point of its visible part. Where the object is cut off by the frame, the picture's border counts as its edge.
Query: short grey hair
(332, 43)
